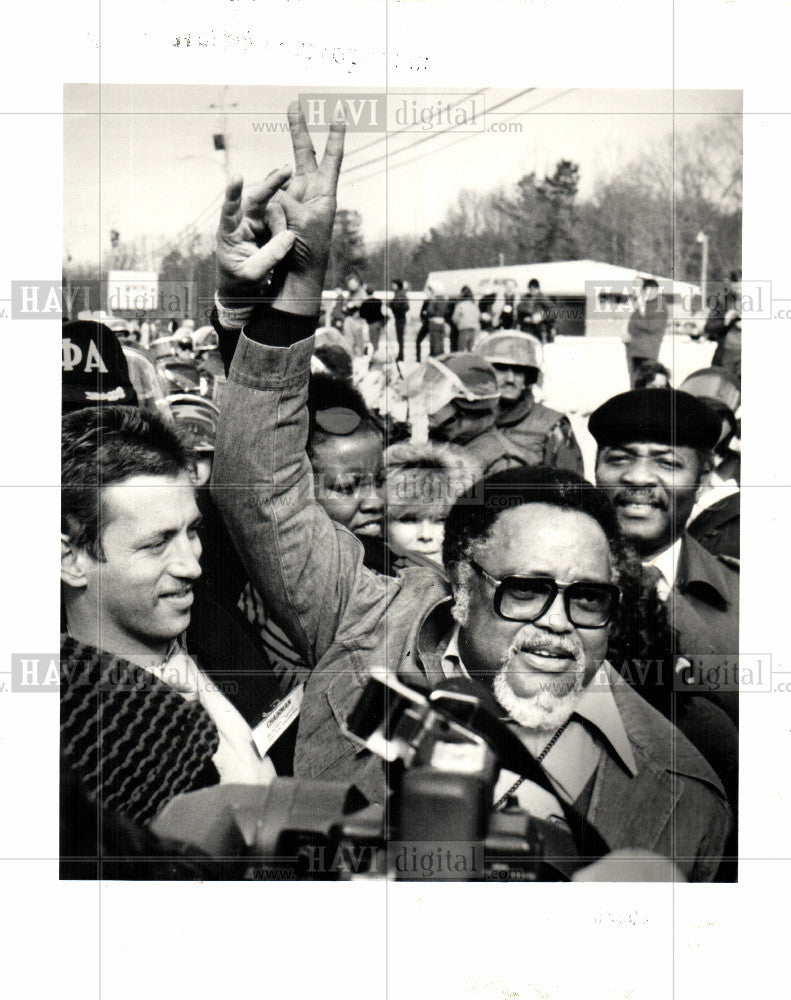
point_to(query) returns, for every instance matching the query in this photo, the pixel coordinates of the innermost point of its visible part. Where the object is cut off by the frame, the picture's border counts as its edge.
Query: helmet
(713, 384)
(196, 419)
(518, 349)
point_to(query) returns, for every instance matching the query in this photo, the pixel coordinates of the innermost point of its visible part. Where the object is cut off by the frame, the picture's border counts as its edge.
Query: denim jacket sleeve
(308, 570)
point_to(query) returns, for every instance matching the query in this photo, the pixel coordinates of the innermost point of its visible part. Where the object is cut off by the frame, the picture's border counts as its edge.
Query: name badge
(276, 722)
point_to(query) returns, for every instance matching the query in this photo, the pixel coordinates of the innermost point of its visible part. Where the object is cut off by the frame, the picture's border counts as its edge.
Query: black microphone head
(468, 688)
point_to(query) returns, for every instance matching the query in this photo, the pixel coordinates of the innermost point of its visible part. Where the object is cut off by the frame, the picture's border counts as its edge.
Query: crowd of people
(433, 519)
(445, 322)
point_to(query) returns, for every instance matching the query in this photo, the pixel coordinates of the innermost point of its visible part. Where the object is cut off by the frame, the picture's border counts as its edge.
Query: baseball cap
(94, 368)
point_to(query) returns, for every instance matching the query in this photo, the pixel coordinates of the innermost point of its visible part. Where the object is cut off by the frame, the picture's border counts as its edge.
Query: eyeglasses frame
(557, 588)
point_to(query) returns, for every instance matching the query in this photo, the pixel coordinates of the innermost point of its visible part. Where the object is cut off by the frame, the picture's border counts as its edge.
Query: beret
(659, 416)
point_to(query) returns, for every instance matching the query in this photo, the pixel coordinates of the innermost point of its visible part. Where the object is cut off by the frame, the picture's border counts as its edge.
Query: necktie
(654, 579)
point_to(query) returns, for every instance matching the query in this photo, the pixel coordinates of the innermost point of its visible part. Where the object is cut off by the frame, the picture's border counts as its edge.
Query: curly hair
(426, 479)
(640, 641)
(474, 514)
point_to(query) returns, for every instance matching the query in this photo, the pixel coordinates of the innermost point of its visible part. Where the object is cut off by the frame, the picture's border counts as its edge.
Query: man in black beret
(654, 446)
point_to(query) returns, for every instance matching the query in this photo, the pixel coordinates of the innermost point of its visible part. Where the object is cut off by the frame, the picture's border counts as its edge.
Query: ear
(74, 563)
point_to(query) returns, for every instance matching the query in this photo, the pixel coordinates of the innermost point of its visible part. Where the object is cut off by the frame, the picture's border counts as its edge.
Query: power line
(199, 223)
(406, 128)
(202, 218)
(461, 138)
(432, 135)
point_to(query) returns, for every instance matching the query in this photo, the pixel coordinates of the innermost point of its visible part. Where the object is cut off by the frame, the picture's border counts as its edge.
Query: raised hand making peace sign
(286, 216)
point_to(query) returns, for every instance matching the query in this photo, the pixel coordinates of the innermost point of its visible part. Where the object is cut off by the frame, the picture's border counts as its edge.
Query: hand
(245, 252)
(308, 209)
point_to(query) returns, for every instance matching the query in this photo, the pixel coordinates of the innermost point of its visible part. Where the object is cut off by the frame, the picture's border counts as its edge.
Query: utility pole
(221, 138)
(704, 268)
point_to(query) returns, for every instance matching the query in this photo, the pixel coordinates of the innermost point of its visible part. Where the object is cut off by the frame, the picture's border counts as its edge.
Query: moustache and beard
(555, 694)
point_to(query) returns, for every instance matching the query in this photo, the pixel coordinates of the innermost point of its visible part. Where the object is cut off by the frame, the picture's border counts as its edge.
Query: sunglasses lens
(590, 604)
(523, 599)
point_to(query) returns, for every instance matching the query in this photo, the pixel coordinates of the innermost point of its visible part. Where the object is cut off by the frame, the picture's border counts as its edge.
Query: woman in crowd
(467, 319)
(422, 481)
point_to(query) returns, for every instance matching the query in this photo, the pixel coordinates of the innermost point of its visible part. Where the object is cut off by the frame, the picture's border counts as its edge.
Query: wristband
(232, 318)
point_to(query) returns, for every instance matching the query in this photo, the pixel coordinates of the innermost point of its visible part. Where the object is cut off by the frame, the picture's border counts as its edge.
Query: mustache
(529, 639)
(647, 495)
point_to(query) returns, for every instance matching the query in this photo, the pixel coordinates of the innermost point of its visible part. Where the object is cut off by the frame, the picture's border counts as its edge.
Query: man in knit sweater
(140, 720)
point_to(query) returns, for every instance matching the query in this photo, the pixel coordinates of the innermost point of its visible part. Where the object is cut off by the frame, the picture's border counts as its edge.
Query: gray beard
(542, 712)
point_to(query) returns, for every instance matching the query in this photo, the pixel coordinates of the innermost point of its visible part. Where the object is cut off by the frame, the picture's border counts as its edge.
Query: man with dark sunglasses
(535, 565)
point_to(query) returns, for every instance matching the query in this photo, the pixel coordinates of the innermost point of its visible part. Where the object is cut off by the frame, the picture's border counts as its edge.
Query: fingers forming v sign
(309, 201)
(285, 212)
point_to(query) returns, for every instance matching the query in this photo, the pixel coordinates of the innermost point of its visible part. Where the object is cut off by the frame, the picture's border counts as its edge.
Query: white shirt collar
(597, 704)
(667, 563)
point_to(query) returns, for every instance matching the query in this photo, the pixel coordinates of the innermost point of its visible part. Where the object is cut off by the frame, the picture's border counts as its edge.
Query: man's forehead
(545, 525)
(541, 538)
(144, 497)
(543, 513)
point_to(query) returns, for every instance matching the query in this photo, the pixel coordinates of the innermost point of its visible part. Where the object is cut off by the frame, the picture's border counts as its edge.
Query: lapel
(636, 810)
(432, 636)
(705, 608)
(701, 574)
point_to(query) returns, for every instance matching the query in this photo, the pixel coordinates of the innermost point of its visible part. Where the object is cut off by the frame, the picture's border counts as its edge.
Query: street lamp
(704, 267)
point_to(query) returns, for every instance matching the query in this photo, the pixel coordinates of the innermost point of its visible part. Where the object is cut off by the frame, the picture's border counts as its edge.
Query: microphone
(471, 705)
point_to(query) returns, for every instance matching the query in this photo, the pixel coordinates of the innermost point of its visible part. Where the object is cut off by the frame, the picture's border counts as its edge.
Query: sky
(140, 158)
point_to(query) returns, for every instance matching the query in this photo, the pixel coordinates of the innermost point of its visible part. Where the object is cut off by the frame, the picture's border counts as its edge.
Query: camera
(443, 751)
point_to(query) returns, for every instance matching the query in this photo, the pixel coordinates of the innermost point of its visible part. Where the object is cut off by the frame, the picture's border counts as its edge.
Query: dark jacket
(704, 613)
(718, 528)
(646, 330)
(371, 310)
(344, 618)
(486, 307)
(543, 434)
(508, 314)
(530, 305)
(399, 304)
